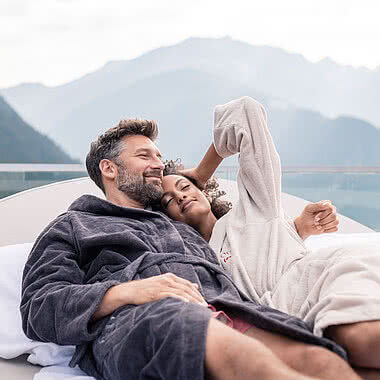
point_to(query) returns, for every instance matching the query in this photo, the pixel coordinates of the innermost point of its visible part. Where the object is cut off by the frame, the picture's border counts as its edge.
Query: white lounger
(24, 215)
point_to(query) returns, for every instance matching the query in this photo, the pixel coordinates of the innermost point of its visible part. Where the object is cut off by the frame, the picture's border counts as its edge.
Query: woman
(336, 291)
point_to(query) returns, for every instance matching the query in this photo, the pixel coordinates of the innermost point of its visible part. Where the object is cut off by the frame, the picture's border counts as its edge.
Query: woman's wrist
(299, 228)
(208, 164)
(202, 176)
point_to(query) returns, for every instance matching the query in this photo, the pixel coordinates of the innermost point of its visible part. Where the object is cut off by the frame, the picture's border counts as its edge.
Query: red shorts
(234, 322)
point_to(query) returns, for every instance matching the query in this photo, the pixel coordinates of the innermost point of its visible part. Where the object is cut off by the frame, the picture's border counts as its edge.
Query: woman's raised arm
(206, 168)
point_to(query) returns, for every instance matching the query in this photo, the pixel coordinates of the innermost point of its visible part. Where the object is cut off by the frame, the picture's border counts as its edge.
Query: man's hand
(155, 288)
(316, 219)
(148, 290)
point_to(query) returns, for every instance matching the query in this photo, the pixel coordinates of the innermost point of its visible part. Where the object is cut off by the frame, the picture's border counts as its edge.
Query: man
(130, 287)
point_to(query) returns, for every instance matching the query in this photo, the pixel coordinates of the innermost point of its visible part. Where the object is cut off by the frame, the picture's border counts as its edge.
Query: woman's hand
(316, 219)
(194, 174)
(206, 168)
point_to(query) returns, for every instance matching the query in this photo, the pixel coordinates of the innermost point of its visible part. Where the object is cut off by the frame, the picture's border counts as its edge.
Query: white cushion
(13, 341)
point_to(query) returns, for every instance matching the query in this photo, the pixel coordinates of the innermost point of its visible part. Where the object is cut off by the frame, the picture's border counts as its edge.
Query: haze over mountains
(179, 86)
(20, 143)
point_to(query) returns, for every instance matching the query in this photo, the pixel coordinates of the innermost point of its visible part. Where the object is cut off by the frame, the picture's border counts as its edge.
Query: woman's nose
(181, 198)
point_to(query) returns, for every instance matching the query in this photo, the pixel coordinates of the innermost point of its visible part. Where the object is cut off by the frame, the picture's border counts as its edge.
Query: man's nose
(158, 164)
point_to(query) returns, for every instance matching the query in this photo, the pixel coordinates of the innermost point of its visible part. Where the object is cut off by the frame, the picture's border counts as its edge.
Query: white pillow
(328, 240)
(13, 341)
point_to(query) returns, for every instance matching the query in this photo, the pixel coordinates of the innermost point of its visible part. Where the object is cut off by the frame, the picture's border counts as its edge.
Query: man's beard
(136, 188)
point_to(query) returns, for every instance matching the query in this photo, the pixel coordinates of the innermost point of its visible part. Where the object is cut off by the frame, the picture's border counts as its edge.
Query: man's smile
(156, 180)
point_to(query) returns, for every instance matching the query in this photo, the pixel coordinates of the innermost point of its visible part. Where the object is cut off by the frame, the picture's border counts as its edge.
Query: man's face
(140, 170)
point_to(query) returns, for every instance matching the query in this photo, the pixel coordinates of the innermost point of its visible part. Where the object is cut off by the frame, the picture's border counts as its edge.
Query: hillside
(325, 86)
(20, 143)
(179, 86)
(182, 102)
(306, 138)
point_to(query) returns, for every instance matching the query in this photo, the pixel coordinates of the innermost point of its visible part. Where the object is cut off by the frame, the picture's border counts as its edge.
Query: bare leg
(230, 355)
(361, 341)
(368, 374)
(308, 359)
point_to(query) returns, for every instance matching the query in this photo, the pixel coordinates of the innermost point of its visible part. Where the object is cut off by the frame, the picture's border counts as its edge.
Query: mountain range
(319, 113)
(20, 143)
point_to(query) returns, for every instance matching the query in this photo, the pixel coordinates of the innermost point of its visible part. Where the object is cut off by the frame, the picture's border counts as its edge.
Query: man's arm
(148, 290)
(56, 305)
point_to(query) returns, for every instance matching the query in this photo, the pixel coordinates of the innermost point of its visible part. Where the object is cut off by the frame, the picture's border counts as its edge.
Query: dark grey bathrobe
(96, 245)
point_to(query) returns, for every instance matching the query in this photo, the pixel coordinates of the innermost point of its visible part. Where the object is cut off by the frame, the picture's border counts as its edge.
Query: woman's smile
(187, 204)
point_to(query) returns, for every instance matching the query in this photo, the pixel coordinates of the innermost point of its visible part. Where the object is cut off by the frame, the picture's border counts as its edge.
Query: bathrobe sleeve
(241, 127)
(56, 305)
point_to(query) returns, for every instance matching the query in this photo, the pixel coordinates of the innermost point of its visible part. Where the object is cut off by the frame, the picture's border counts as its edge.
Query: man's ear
(108, 169)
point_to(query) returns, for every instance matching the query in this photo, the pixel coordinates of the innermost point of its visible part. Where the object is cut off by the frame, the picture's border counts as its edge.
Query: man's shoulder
(60, 223)
(64, 219)
(86, 202)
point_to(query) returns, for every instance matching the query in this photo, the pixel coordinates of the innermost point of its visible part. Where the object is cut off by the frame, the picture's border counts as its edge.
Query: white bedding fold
(61, 373)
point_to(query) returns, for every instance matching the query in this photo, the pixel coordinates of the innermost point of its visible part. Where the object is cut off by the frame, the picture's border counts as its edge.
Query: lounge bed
(23, 216)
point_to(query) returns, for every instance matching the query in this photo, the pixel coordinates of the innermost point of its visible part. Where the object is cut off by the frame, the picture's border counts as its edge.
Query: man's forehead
(138, 142)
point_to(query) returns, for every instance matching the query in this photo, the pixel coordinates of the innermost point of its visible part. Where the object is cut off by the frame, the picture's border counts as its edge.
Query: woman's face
(183, 201)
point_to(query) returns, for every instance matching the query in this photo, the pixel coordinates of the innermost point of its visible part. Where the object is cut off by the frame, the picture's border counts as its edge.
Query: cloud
(63, 39)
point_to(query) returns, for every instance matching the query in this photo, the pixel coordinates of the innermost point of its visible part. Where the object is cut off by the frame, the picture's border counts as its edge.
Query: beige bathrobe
(257, 244)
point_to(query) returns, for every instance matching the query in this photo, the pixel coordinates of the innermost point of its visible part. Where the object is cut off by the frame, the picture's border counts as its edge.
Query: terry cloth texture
(258, 245)
(97, 244)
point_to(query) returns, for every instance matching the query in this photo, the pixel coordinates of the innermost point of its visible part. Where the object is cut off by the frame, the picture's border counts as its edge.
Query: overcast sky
(55, 41)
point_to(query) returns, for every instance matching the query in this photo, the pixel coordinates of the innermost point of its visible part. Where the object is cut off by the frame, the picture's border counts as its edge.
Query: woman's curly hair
(218, 207)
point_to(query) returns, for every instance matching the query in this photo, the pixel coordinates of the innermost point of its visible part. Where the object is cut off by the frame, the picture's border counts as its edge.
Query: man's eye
(185, 187)
(142, 155)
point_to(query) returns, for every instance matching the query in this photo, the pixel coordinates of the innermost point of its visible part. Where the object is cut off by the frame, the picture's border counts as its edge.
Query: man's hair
(109, 145)
(218, 207)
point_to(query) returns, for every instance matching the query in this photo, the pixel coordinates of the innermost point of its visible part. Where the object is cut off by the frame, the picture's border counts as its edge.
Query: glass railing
(354, 191)
(19, 177)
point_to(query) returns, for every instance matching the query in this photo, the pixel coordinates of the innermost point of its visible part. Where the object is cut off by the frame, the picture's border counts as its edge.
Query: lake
(356, 195)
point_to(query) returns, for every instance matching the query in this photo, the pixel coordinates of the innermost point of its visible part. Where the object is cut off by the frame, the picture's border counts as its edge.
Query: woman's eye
(185, 187)
(167, 202)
